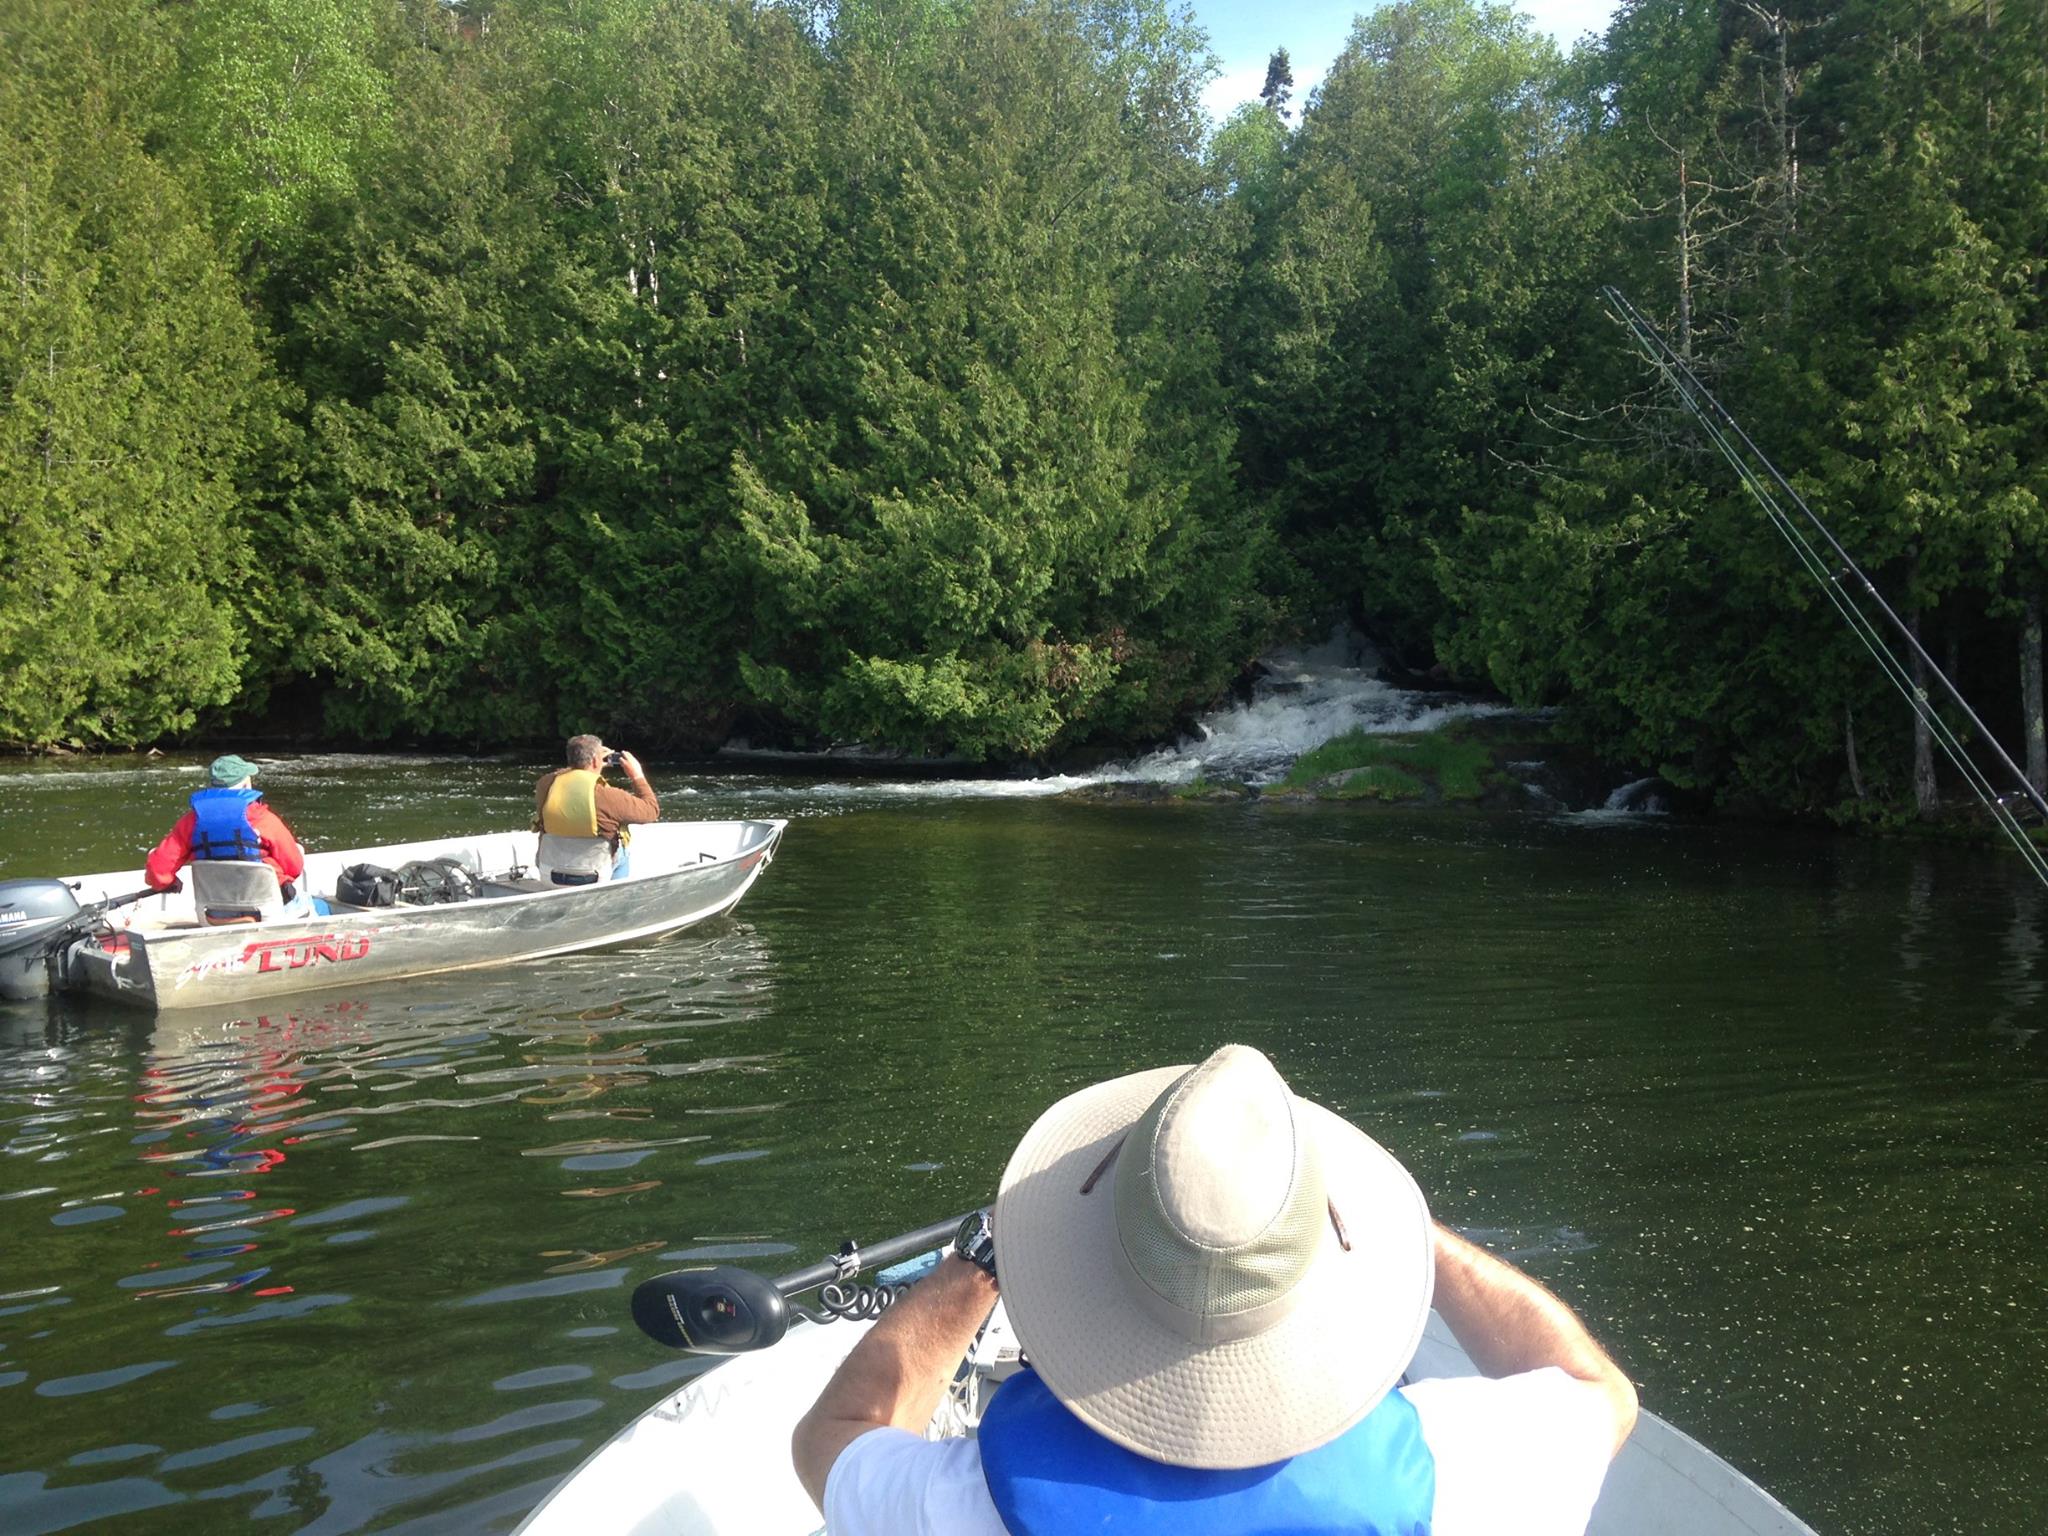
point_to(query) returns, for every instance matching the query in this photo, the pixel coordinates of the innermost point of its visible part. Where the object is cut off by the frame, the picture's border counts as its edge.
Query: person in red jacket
(228, 820)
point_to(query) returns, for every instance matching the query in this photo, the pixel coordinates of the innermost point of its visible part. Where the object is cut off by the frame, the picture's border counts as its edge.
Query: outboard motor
(35, 915)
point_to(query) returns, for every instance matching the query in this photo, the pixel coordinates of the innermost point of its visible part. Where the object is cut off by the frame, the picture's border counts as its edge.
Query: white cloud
(1234, 87)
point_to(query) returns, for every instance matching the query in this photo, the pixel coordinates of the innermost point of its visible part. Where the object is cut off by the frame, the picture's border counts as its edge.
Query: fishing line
(1737, 447)
(1681, 378)
(1692, 392)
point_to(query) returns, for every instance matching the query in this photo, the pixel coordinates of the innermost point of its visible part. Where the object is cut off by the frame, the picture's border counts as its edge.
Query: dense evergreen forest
(934, 373)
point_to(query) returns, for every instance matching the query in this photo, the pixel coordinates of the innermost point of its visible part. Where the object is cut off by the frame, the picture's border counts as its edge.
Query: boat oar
(722, 1309)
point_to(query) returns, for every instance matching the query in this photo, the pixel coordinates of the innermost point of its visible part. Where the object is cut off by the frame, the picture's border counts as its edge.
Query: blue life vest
(221, 829)
(1049, 1472)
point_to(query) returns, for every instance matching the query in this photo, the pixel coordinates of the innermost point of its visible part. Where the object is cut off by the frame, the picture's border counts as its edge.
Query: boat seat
(506, 885)
(226, 891)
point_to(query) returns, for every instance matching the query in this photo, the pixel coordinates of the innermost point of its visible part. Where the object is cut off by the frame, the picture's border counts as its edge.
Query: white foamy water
(1632, 801)
(190, 767)
(1301, 700)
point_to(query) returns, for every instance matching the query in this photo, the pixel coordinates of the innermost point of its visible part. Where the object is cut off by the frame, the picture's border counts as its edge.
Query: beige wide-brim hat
(1244, 1278)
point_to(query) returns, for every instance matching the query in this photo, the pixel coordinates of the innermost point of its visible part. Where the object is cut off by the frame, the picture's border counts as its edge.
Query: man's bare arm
(1508, 1324)
(897, 1373)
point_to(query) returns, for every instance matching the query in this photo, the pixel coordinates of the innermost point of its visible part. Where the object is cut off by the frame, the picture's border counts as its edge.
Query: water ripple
(100, 1381)
(1768, 1111)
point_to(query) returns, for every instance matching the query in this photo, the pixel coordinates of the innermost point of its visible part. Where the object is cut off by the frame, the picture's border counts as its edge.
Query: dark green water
(1770, 1111)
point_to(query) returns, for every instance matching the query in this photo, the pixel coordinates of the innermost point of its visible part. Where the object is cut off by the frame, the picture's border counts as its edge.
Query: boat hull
(686, 872)
(712, 1459)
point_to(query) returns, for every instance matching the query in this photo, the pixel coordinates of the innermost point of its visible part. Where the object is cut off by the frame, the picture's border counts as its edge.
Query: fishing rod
(1840, 579)
(722, 1309)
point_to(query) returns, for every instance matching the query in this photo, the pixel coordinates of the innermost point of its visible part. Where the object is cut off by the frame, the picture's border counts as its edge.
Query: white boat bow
(712, 1458)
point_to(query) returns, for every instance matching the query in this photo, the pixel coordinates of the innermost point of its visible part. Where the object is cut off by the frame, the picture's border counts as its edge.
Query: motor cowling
(34, 916)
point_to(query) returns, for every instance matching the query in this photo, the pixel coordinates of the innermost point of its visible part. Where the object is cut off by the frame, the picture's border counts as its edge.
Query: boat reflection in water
(279, 1262)
(225, 1101)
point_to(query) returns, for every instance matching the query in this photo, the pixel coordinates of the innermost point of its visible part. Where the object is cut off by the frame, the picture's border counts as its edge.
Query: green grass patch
(1458, 767)
(1209, 789)
(1374, 782)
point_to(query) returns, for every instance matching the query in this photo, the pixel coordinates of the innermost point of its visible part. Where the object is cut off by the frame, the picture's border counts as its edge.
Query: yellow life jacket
(571, 806)
(570, 844)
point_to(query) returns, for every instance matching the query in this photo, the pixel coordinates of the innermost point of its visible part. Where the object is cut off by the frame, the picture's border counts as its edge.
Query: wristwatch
(975, 1241)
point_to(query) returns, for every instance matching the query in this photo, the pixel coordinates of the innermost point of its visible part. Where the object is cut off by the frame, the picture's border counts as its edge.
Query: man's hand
(1509, 1324)
(630, 765)
(896, 1374)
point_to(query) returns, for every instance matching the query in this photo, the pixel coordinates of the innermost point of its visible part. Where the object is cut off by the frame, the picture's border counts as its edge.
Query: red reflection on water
(234, 1224)
(599, 1192)
(214, 1198)
(207, 1287)
(227, 1252)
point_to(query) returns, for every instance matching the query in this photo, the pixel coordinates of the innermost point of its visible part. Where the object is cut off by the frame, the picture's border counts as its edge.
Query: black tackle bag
(367, 885)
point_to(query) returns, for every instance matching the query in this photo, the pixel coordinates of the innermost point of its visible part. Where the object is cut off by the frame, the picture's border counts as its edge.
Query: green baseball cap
(231, 769)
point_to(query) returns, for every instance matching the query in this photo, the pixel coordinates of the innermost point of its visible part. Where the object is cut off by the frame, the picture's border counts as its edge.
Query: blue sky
(1244, 34)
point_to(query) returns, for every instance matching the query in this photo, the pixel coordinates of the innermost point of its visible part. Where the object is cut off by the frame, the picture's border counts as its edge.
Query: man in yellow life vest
(584, 822)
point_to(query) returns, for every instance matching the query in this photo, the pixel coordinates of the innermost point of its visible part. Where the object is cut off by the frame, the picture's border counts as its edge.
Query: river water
(1767, 1109)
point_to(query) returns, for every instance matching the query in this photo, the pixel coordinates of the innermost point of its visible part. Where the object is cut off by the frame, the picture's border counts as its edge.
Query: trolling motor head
(722, 1310)
(35, 915)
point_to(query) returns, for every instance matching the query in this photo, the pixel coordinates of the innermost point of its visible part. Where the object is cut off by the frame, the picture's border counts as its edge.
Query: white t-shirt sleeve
(890, 1482)
(1520, 1453)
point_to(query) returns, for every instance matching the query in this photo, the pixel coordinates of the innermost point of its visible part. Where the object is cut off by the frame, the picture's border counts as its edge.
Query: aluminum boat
(156, 954)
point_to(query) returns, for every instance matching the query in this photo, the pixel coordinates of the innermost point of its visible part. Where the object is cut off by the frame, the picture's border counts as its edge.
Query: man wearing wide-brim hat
(1217, 1286)
(229, 819)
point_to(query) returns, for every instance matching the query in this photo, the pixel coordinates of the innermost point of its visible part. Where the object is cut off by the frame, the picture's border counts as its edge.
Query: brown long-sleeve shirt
(616, 807)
